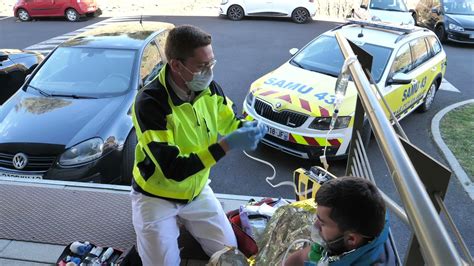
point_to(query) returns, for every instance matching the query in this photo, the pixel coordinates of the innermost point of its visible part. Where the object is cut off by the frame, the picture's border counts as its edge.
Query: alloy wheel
(235, 13)
(300, 15)
(430, 95)
(71, 15)
(23, 15)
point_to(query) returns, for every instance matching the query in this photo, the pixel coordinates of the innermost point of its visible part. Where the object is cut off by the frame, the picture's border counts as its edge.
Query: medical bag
(86, 253)
(246, 244)
(309, 181)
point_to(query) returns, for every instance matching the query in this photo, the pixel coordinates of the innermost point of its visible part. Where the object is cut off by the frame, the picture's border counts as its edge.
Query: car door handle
(434, 69)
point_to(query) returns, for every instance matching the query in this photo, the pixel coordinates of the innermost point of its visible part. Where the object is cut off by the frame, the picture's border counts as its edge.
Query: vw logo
(278, 105)
(20, 160)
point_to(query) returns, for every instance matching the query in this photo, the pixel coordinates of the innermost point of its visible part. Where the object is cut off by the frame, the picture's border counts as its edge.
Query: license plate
(15, 175)
(471, 36)
(278, 133)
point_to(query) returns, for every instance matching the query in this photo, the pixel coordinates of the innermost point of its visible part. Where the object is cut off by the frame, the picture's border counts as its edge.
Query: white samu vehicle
(296, 100)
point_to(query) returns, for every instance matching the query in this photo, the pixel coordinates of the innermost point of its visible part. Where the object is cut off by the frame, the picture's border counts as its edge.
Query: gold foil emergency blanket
(228, 256)
(289, 223)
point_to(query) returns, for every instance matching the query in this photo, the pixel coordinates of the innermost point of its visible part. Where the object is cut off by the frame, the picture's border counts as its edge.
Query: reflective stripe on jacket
(177, 140)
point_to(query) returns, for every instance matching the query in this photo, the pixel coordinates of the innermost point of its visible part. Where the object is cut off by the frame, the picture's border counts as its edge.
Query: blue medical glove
(245, 138)
(252, 123)
(262, 129)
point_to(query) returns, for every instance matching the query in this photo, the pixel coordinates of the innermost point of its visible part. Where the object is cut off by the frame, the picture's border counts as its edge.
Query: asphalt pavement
(246, 50)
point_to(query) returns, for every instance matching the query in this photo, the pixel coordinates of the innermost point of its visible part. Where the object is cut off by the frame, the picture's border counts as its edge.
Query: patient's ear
(354, 240)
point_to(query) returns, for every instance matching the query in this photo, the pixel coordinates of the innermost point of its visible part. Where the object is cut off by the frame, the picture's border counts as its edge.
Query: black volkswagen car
(450, 19)
(72, 119)
(15, 65)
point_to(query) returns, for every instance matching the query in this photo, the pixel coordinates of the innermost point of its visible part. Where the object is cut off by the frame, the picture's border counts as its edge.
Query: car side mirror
(435, 10)
(293, 51)
(3, 57)
(412, 11)
(363, 6)
(399, 79)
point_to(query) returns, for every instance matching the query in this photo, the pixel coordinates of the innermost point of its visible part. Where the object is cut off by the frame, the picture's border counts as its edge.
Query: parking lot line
(446, 86)
(5, 18)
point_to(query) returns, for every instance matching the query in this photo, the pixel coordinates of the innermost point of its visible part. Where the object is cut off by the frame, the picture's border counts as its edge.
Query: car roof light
(385, 26)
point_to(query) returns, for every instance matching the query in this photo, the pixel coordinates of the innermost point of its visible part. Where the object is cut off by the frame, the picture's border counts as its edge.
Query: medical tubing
(325, 146)
(283, 183)
(289, 247)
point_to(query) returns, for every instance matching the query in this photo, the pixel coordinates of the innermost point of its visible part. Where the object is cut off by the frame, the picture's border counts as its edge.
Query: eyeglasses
(202, 68)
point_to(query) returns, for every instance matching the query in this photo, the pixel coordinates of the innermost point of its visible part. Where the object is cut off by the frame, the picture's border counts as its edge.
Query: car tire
(441, 32)
(128, 155)
(235, 12)
(300, 15)
(23, 15)
(429, 98)
(72, 15)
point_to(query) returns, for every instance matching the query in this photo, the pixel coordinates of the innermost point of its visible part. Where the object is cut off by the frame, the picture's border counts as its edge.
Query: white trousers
(155, 223)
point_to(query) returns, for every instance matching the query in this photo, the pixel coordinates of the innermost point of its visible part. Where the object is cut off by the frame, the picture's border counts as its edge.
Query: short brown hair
(356, 205)
(182, 41)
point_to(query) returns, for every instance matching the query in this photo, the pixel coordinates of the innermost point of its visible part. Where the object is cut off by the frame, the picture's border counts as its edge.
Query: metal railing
(420, 213)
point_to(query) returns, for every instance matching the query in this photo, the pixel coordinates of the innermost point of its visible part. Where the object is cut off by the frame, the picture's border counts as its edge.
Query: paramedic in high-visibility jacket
(177, 118)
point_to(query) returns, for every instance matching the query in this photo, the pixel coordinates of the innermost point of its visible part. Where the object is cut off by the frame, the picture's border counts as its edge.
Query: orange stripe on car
(334, 142)
(291, 139)
(268, 93)
(305, 105)
(285, 98)
(324, 111)
(311, 141)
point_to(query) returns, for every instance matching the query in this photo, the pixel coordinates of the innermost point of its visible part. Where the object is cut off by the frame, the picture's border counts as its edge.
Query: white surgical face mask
(201, 79)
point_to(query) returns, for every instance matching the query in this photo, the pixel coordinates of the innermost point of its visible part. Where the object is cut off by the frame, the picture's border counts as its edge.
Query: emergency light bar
(382, 25)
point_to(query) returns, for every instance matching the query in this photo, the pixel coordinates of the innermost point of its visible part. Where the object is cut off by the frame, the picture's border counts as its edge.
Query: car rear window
(323, 55)
(94, 72)
(434, 44)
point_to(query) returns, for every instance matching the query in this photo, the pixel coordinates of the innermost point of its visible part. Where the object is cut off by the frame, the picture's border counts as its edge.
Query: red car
(71, 9)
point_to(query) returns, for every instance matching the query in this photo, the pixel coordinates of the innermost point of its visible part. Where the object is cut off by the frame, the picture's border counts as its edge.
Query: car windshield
(459, 7)
(390, 5)
(323, 55)
(86, 72)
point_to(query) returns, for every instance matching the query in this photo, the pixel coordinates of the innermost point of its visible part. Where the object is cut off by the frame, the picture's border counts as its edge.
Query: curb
(459, 172)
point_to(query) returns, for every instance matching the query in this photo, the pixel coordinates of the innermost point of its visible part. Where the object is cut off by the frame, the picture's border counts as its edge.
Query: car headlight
(83, 152)
(455, 27)
(249, 99)
(224, 2)
(322, 123)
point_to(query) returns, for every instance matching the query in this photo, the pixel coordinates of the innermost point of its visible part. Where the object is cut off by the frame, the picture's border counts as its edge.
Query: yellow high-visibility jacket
(177, 140)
